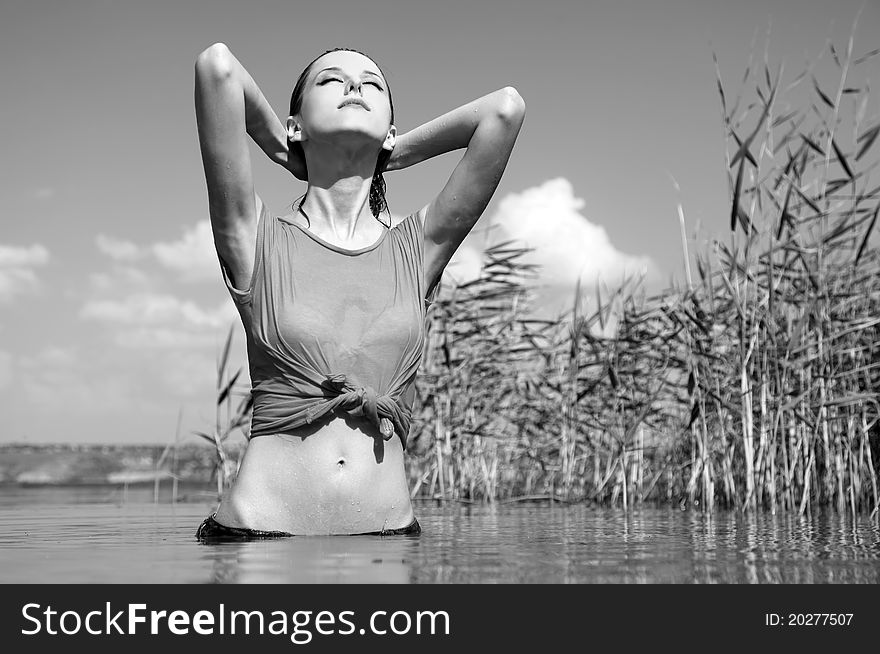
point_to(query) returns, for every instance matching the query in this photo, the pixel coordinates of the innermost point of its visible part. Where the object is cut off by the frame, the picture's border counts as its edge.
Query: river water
(120, 535)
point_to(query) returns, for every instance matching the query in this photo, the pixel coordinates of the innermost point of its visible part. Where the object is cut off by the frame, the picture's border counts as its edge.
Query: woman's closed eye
(336, 79)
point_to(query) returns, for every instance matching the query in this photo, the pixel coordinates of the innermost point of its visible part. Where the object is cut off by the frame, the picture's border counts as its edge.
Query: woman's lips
(350, 103)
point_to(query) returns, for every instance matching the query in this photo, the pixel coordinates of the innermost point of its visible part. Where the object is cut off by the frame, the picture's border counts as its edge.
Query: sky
(112, 306)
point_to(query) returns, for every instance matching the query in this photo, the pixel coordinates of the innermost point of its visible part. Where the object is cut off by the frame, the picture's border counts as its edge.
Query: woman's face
(345, 94)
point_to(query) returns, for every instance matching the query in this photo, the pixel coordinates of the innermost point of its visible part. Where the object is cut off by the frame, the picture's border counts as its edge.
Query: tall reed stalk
(226, 423)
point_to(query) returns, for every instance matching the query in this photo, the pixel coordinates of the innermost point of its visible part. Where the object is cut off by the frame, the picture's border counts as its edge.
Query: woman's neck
(341, 210)
(338, 195)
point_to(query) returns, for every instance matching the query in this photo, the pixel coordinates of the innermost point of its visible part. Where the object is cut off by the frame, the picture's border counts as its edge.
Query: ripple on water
(94, 535)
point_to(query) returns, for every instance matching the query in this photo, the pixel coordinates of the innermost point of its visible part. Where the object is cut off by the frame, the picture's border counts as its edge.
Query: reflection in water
(313, 559)
(52, 535)
(790, 549)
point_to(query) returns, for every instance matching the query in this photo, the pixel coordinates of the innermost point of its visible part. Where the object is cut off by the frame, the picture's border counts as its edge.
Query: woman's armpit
(251, 242)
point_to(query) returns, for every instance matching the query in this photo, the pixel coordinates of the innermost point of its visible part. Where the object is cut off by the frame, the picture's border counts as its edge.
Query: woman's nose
(351, 85)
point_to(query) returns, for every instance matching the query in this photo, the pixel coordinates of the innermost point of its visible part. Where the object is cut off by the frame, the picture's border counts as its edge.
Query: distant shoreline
(89, 464)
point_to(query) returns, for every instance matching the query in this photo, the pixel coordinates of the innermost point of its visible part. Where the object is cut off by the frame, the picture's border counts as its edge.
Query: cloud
(155, 309)
(158, 341)
(164, 338)
(17, 269)
(12, 256)
(118, 249)
(76, 392)
(56, 379)
(567, 245)
(53, 356)
(125, 279)
(193, 255)
(465, 263)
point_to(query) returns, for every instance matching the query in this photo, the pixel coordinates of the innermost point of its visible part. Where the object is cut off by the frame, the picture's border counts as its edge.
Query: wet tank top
(330, 329)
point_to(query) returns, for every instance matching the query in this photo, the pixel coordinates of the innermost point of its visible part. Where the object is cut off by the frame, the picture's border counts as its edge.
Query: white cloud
(14, 281)
(78, 392)
(125, 279)
(164, 338)
(16, 257)
(53, 356)
(55, 379)
(567, 245)
(193, 255)
(16, 268)
(157, 343)
(465, 263)
(118, 249)
(154, 309)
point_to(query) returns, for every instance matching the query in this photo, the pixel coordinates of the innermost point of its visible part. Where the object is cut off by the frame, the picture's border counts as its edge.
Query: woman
(331, 294)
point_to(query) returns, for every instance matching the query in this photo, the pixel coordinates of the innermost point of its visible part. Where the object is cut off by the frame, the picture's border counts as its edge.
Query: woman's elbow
(215, 61)
(511, 106)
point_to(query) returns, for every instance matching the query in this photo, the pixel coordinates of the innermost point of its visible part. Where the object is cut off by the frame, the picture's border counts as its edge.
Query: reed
(171, 447)
(754, 386)
(227, 459)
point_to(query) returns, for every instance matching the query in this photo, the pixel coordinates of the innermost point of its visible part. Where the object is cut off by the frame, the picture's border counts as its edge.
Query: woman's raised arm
(229, 107)
(488, 128)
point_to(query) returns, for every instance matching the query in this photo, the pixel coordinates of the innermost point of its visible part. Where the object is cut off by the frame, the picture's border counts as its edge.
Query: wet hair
(378, 203)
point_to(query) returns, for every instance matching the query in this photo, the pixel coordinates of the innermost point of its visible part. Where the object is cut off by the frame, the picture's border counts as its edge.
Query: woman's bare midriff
(341, 479)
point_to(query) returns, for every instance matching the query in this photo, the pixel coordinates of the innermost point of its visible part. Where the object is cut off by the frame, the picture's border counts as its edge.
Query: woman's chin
(348, 133)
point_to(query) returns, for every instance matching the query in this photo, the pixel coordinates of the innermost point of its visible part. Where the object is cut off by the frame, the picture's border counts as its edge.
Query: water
(111, 535)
